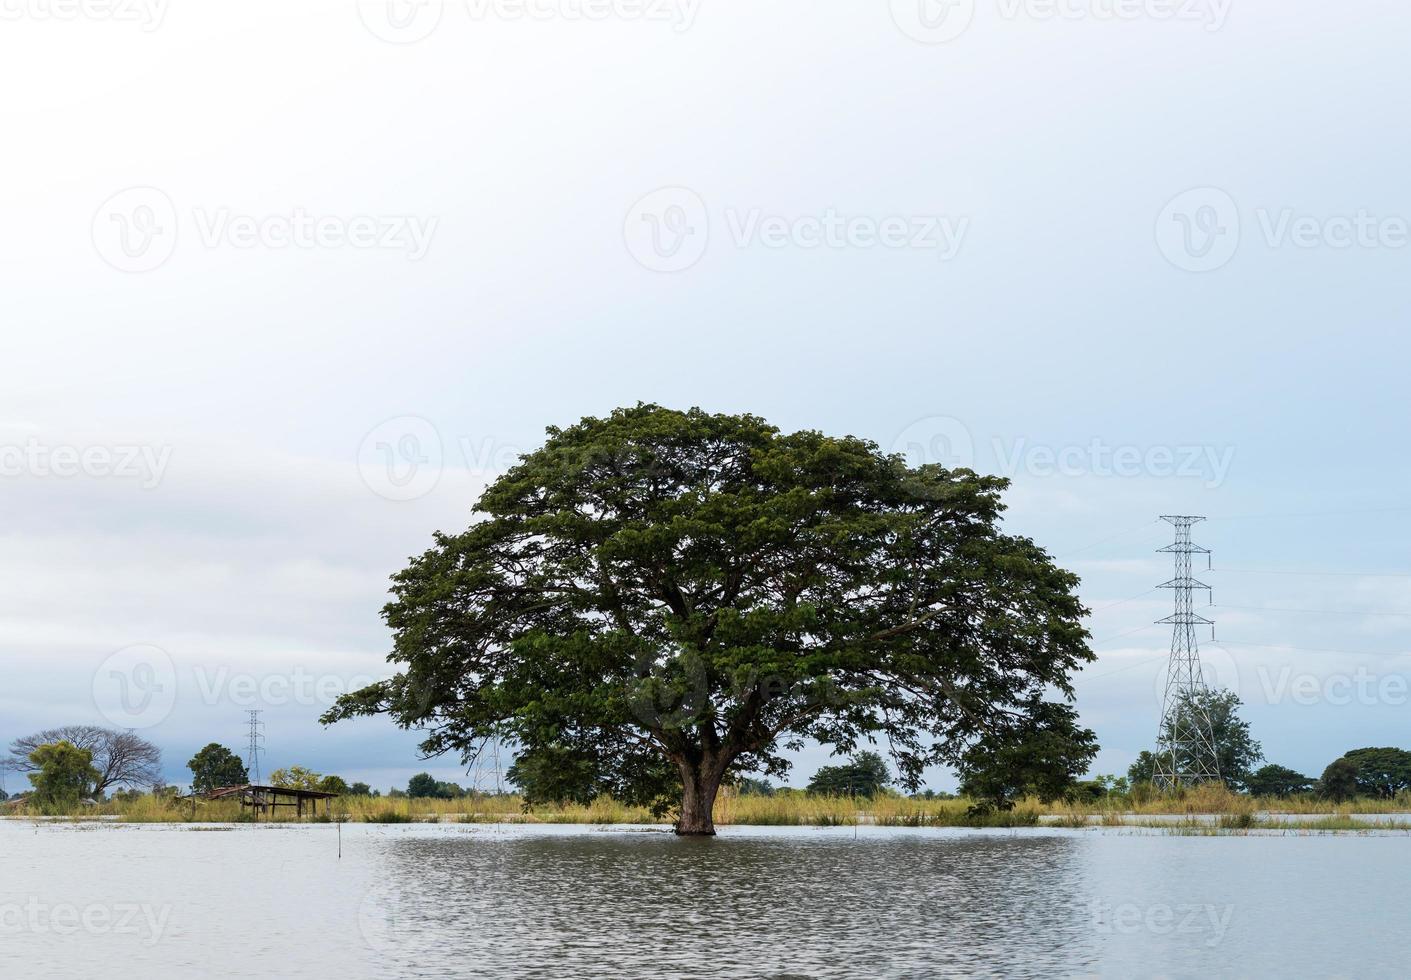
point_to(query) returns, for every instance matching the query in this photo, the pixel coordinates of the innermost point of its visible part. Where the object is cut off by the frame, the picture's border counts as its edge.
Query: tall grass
(1204, 806)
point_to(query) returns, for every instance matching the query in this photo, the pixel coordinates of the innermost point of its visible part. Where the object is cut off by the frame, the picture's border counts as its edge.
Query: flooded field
(571, 901)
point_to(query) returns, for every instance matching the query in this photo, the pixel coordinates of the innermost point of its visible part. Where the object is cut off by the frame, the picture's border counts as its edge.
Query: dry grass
(1205, 809)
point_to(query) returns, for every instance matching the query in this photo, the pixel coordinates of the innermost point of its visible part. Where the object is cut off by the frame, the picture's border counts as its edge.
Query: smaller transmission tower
(1186, 752)
(255, 746)
(486, 773)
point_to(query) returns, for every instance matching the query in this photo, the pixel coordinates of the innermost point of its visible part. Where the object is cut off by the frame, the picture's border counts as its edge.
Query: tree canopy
(216, 766)
(708, 591)
(1236, 751)
(120, 758)
(62, 773)
(1272, 780)
(1382, 772)
(865, 774)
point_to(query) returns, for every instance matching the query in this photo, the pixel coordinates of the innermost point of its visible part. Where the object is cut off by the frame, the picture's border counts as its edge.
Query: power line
(1292, 571)
(1285, 646)
(1321, 612)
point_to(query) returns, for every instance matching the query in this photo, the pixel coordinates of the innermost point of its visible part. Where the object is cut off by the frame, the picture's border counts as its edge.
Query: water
(480, 901)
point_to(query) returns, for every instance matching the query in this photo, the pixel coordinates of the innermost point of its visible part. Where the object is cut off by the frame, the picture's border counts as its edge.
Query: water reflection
(651, 905)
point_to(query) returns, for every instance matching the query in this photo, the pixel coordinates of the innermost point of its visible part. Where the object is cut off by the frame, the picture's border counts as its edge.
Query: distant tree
(295, 777)
(216, 766)
(121, 758)
(449, 791)
(396, 794)
(1005, 767)
(1381, 772)
(422, 786)
(748, 786)
(1144, 769)
(710, 591)
(362, 789)
(1236, 751)
(1272, 780)
(1339, 780)
(863, 775)
(4, 796)
(62, 773)
(557, 773)
(333, 784)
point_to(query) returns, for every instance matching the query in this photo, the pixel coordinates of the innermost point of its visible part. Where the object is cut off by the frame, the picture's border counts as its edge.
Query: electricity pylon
(1186, 752)
(252, 752)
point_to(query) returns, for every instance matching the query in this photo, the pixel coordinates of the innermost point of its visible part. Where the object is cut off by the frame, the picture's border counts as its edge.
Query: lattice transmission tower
(487, 774)
(1186, 752)
(255, 747)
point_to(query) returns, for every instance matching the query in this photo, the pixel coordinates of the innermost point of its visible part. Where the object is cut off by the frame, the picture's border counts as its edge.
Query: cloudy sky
(284, 288)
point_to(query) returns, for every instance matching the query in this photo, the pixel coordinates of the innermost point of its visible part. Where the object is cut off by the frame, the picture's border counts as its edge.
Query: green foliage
(1236, 751)
(333, 784)
(749, 786)
(1144, 769)
(864, 775)
(1381, 772)
(296, 777)
(1272, 780)
(362, 789)
(1041, 758)
(1339, 780)
(706, 591)
(422, 786)
(216, 766)
(63, 773)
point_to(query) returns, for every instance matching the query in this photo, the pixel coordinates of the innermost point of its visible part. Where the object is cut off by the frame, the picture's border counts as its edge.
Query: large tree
(1236, 751)
(1381, 772)
(62, 773)
(214, 767)
(707, 590)
(122, 758)
(865, 774)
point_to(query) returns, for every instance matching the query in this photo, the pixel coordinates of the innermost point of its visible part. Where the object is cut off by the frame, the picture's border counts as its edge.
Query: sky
(285, 286)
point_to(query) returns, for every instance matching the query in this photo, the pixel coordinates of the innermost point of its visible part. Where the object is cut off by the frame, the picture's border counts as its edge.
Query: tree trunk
(699, 787)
